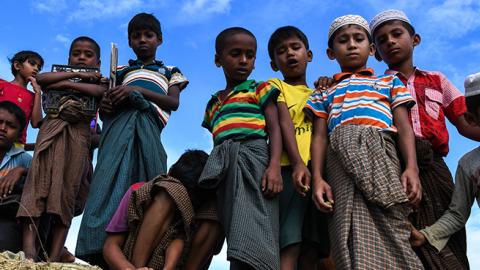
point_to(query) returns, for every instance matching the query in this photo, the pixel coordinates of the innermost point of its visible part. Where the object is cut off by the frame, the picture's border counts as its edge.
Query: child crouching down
(157, 223)
(362, 114)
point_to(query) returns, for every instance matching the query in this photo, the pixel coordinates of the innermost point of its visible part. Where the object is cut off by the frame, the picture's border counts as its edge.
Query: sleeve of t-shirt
(400, 94)
(453, 101)
(265, 93)
(177, 77)
(316, 105)
(25, 159)
(277, 84)
(207, 117)
(119, 221)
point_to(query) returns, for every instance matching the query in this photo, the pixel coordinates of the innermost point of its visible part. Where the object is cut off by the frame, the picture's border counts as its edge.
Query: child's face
(394, 43)
(351, 48)
(29, 68)
(9, 129)
(144, 43)
(237, 57)
(291, 57)
(83, 54)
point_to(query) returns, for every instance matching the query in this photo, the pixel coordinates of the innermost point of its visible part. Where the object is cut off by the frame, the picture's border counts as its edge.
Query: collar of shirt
(241, 87)
(138, 62)
(416, 71)
(10, 154)
(343, 75)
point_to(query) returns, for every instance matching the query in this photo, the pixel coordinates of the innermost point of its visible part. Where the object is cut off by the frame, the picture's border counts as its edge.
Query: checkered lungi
(250, 221)
(369, 228)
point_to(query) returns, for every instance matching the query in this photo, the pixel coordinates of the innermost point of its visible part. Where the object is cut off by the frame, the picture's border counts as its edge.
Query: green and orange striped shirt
(240, 116)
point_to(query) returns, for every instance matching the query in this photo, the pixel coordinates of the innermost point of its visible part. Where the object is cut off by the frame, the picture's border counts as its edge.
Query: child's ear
(330, 54)
(273, 66)
(217, 61)
(17, 65)
(416, 40)
(160, 40)
(99, 63)
(372, 49)
(309, 56)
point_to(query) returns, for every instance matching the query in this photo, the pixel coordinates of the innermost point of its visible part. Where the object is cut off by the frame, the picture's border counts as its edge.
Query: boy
(152, 226)
(362, 113)
(61, 152)
(14, 166)
(25, 67)
(134, 114)
(242, 166)
(289, 52)
(467, 185)
(435, 98)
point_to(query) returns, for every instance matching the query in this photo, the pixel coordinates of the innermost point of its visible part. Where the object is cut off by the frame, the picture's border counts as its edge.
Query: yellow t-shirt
(295, 97)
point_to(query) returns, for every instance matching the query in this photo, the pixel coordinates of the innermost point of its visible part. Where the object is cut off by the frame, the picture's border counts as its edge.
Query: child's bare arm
(90, 89)
(7, 182)
(272, 183)
(47, 78)
(112, 252)
(167, 102)
(301, 175)
(406, 141)
(173, 254)
(206, 238)
(318, 149)
(466, 129)
(37, 103)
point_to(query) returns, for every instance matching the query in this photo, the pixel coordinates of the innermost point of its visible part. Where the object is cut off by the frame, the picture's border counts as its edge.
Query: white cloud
(62, 39)
(454, 18)
(50, 6)
(96, 9)
(203, 9)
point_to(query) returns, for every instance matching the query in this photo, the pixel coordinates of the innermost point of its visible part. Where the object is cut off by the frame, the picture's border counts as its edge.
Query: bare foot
(66, 256)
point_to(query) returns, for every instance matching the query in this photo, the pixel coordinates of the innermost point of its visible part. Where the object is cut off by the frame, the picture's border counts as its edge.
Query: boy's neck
(405, 67)
(231, 84)
(147, 61)
(301, 80)
(20, 81)
(353, 69)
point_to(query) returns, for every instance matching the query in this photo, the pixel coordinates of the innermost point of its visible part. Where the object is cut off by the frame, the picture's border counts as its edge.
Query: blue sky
(450, 33)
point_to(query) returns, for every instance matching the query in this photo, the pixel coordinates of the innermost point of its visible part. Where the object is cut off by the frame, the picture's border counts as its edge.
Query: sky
(450, 32)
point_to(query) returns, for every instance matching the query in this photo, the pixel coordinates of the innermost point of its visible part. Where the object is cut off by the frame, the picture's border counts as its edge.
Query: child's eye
(281, 50)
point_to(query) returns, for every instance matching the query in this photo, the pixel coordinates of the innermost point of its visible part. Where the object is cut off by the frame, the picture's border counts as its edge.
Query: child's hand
(106, 106)
(417, 238)
(301, 179)
(272, 182)
(36, 88)
(411, 186)
(8, 182)
(323, 83)
(120, 94)
(320, 189)
(61, 85)
(89, 77)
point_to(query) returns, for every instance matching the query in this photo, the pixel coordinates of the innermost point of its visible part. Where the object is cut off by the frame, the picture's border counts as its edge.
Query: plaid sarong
(180, 227)
(250, 221)
(369, 228)
(438, 188)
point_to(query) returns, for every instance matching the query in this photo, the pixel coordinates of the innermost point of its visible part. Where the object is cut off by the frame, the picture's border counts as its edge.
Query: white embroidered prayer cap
(388, 15)
(472, 85)
(346, 20)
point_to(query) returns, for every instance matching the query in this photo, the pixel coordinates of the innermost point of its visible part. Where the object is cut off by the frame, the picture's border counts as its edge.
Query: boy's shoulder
(470, 159)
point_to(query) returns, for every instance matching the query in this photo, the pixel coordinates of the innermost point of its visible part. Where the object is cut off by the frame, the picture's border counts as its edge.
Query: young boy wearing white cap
(467, 181)
(436, 98)
(355, 123)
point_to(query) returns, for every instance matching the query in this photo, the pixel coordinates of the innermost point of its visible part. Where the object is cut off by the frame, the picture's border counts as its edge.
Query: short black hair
(187, 170)
(15, 110)
(23, 56)
(473, 104)
(87, 39)
(283, 33)
(143, 21)
(332, 37)
(410, 29)
(226, 33)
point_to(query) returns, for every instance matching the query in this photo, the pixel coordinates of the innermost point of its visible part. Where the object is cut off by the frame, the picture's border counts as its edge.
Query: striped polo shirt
(360, 99)
(240, 115)
(155, 77)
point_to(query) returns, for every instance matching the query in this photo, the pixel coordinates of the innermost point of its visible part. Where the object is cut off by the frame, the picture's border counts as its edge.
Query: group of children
(352, 172)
